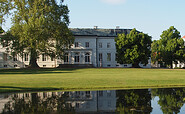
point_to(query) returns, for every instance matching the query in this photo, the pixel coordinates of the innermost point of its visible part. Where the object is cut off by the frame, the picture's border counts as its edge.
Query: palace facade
(93, 47)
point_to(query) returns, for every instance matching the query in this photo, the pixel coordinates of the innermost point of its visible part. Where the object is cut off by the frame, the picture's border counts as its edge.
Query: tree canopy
(170, 48)
(38, 26)
(133, 48)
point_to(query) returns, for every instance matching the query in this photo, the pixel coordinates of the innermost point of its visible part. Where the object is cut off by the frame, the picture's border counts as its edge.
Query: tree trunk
(33, 59)
(135, 65)
(171, 65)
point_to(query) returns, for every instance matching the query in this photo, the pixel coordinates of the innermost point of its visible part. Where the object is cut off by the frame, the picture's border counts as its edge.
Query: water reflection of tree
(134, 101)
(37, 105)
(170, 100)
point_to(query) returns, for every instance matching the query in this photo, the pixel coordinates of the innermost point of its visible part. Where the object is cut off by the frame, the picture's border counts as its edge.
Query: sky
(148, 16)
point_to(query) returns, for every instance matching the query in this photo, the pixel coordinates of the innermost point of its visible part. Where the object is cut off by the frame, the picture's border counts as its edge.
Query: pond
(136, 101)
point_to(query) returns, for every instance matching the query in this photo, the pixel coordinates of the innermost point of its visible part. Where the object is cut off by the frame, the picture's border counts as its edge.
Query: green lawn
(91, 79)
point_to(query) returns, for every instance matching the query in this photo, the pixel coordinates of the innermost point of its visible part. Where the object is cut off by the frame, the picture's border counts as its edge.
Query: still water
(145, 101)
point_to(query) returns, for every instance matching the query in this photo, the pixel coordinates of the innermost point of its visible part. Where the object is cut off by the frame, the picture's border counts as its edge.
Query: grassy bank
(69, 79)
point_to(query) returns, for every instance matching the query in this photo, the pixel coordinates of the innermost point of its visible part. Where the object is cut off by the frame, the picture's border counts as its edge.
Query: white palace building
(92, 48)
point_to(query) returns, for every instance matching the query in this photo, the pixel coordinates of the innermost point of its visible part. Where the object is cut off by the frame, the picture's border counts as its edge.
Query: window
(100, 57)
(15, 65)
(5, 65)
(53, 57)
(43, 57)
(76, 44)
(108, 93)
(86, 44)
(87, 93)
(66, 57)
(108, 45)
(77, 105)
(100, 45)
(108, 56)
(5, 56)
(14, 57)
(44, 65)
(25, 57)
(87, 57)
(109, 104)
(77, 57)
(100, 93)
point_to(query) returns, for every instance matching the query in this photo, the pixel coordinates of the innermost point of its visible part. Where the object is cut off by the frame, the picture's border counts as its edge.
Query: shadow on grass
(36, 71)
(8, 89)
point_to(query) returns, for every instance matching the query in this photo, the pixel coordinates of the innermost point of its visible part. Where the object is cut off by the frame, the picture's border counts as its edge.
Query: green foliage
(170, 48)
(1, 30)
(133, 48)
(130, 101)
(170, 100)
(39, 26)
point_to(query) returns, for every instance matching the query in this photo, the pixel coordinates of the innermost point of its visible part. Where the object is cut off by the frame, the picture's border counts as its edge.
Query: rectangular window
(77, 57)
(87, 93)
(87, 57)
(100, 93)
(66, 57)
(100, 45)
(86, 44)
(77, 105)
(53, 57)
(100, 57)
(43, 57)
(5, 56)
(15, 65)
(25, 57)
(108, 45)
(108, 56)
(76, 44)
(5, 65)
(14, 57)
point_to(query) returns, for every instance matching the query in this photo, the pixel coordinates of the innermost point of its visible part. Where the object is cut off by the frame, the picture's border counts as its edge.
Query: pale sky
(149, 16)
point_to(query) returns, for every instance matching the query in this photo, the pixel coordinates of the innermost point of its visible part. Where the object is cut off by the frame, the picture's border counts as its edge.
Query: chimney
(95, 27)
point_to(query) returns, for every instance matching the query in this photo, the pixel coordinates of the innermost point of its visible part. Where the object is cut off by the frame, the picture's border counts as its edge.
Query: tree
(133, 48)
(170, 48)
(1, 30)
(171, 100)
(39, 26)
(132, 101)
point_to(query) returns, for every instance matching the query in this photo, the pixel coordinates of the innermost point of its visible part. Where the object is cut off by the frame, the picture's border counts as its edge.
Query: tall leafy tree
(133, 48)
(170, 48)
(38, 26)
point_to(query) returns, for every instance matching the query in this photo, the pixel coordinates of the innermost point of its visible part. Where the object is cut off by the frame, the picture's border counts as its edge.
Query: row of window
(86, 44)
(101, 57)
(66, 57)
(100, 45)
(25, 57)
(7, 66)
(77, 57)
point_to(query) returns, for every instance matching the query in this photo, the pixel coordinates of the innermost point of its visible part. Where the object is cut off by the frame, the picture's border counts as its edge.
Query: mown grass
(12, 80)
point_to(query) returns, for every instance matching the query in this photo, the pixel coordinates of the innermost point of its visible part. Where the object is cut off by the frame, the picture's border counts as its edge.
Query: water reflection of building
(92, 101)
(80, 101)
